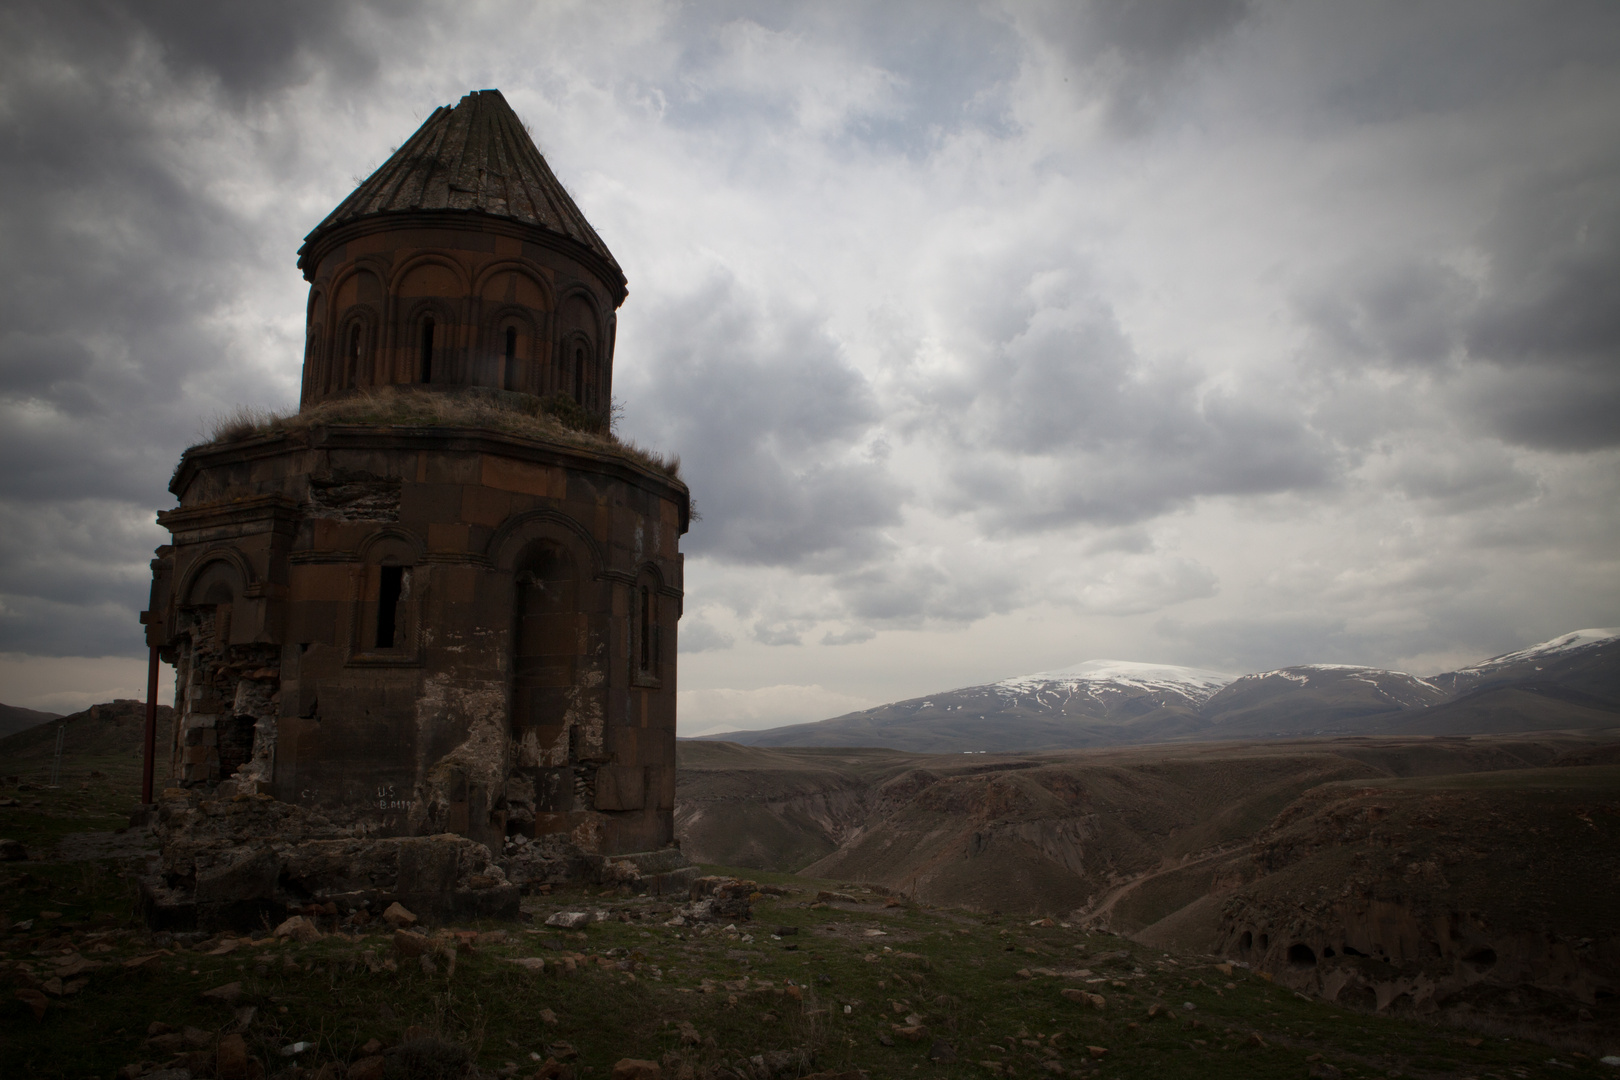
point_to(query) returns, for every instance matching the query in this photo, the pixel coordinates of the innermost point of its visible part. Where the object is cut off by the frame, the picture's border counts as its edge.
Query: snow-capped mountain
(1104, 677)
(1584, 660)
(1571, 681)
(1089, 704)
(1325, 695)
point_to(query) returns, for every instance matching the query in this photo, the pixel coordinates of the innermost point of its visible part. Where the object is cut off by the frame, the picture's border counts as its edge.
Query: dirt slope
(1028, 832)
(1268, 853)
(14, 718)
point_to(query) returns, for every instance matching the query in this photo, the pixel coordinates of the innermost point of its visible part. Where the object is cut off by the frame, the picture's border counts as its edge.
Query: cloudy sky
(993, 337)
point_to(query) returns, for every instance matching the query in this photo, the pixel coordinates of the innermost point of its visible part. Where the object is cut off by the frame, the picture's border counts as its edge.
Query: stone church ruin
(424, 632)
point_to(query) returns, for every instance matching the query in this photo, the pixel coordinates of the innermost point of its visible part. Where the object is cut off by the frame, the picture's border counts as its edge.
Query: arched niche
(549, 641)
(214, 588)
(648, 611)
(513, 283)
(427, 335)
(354, 351)
(219, 578)
(430, 275)
(511, 349)
(514, 302)
(516, 533)
(575, 371)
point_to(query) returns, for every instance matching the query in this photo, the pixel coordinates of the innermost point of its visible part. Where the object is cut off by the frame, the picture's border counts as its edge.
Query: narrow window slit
(646, 629)
(427, 350)
(352, 376)
(511, 358)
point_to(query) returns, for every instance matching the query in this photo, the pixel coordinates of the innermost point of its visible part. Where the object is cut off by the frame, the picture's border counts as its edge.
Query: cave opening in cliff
(1481, 958)
(1301, 955)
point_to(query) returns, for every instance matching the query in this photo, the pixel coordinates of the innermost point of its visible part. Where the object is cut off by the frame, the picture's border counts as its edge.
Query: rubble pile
(246, 860)
(535, 864)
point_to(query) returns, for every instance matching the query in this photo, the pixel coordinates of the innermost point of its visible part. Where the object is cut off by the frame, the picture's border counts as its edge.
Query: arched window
(579, 372)
(427, 349)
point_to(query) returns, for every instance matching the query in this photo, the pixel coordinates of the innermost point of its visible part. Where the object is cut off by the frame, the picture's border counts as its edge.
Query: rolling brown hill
(14, 718)
(109, 732)
(1422, 854)
(1056, 831)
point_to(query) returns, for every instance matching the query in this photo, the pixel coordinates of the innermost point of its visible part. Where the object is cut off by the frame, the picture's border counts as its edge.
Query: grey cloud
(1408, 313)
(699, 635)
(1127, 541)
(1374, 62)
(73, 577)
(1554, 258)
(1570, 407)
(1443, 609)
(65, 552)
(789, 632)
(853, 635)
(1128, 52)
(1549, 320)
(245, 49)
(908, 593)
(1533, 348)
(765, 411)
(37, 627)
(1136, 589)
(1457, 484)
(947, 63)
(1066, 424)
(1274, 640)
(121, 262)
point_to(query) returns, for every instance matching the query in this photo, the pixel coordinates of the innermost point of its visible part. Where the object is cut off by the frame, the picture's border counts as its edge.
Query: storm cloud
(992, 336)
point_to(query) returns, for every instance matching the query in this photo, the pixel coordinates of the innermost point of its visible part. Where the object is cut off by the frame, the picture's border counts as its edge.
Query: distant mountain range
(1572, 681)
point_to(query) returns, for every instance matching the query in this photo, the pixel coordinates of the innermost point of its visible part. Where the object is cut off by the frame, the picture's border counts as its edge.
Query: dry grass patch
(554, 419)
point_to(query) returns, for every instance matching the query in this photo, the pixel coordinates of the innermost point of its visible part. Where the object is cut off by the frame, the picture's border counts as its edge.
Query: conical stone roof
(476, 158)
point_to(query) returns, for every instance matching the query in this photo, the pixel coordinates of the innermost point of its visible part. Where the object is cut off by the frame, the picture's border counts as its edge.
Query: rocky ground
(815, 981)
(753, 976)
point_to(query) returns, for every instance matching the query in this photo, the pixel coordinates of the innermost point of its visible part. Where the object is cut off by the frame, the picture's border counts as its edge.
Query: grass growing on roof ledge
(554, 419)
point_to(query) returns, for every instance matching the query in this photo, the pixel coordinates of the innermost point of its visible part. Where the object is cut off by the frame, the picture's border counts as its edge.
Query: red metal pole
(151, 727)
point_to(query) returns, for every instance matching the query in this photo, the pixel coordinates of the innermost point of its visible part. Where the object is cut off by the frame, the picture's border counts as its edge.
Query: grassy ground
(828, 990)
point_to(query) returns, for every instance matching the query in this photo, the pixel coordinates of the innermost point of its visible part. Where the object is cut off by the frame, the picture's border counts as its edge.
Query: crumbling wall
(227, 698)
(237, 861)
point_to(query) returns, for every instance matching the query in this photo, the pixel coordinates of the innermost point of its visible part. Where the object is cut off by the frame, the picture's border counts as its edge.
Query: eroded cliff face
(1483, 891)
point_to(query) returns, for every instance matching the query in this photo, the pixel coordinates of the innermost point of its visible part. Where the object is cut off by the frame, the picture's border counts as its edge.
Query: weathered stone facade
(430, 628)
